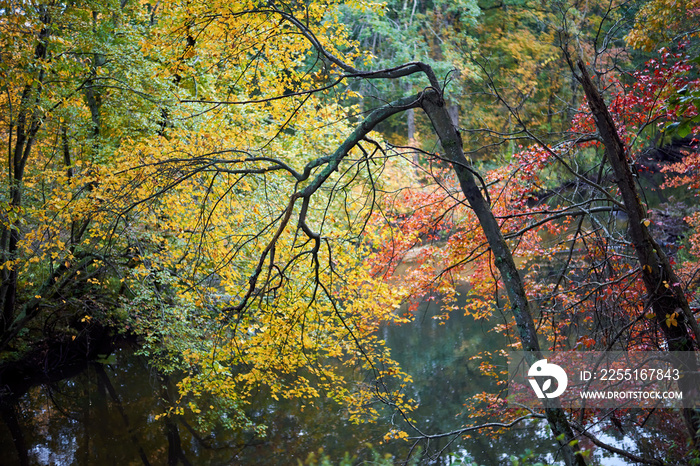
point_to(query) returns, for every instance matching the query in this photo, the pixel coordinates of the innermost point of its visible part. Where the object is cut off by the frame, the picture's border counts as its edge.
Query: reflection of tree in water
(438, 355)
(9, 417)
(85, 419)
(107, 414)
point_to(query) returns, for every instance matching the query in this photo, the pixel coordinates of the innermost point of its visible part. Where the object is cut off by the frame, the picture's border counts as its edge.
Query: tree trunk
(663, 293)
(443, 123)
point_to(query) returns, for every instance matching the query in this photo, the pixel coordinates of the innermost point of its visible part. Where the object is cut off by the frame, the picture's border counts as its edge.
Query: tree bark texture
(664, 293)
(443, 123)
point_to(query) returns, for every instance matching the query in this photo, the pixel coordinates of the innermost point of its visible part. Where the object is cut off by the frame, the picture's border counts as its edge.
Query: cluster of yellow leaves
(395, 434)
(218, 207)
(659, 21)
(174, 199)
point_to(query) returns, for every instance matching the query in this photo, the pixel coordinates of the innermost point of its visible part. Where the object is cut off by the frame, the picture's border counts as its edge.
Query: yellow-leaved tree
(248, 266)
(75, 83)
(175, 171)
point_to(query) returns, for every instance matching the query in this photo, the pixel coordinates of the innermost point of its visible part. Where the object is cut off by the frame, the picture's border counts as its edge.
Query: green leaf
(684, 129)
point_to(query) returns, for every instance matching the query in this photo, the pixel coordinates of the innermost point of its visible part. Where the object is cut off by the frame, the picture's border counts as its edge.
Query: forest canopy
(253, 190)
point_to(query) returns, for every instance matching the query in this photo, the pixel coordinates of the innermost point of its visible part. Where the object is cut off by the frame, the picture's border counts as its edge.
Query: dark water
(107, 414)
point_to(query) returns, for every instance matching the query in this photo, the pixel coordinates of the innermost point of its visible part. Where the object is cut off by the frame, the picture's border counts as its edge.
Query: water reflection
(108, 414)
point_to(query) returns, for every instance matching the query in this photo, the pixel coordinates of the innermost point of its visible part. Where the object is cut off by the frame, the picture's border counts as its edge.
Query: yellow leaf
(671, 320)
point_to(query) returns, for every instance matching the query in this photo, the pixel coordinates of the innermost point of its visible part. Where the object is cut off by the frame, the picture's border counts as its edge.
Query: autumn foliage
(204, 176)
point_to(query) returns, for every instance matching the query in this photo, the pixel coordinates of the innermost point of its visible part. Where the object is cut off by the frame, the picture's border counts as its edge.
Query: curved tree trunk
(443, 123)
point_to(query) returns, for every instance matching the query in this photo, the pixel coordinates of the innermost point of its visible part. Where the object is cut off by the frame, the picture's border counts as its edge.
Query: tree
(68, 77)
(658, 23)
(610, 295)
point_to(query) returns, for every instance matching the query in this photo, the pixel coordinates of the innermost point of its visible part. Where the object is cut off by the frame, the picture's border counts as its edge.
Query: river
(108, 414)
